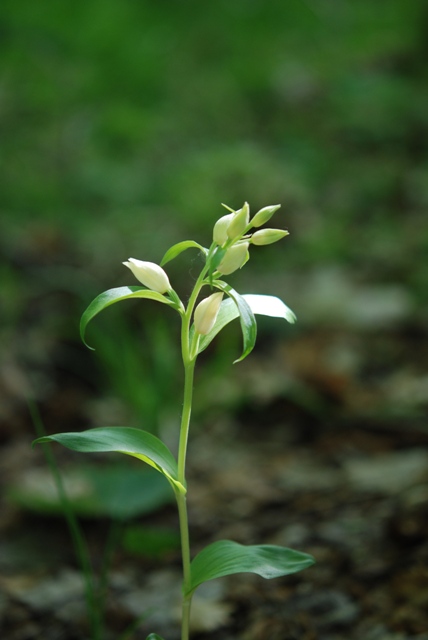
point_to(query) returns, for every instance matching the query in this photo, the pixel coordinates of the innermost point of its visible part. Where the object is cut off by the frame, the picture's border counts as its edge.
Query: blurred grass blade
(112, 296)
(225, 557)
(132, 442)
(178, 248)
(81, 548)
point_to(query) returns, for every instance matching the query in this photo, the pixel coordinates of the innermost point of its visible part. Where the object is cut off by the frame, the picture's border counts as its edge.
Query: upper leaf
(259, 304)
(111, 296)
(270, 306)
(224, 557)
(246, 317)
(133, 442)
(178, 248)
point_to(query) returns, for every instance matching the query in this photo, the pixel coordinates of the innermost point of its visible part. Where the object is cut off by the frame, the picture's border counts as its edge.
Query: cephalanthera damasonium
(201, 320)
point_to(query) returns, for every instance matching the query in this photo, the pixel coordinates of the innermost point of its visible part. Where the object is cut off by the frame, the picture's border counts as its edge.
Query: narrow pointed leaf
(111, 296)
(178, 248)
(215, 260)
(132, 442)
(225, 557)
(259, 304)
(246, 318)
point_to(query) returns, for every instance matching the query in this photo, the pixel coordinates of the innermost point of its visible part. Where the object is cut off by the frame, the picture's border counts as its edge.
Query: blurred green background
(125, 124)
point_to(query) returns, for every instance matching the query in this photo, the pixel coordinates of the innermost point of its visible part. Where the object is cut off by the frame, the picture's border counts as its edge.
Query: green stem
(181, 498)
(185, 420)
(185, 555)
(189, 360)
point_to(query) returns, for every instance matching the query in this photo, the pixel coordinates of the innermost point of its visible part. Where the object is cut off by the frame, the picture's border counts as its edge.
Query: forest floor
(325, 451)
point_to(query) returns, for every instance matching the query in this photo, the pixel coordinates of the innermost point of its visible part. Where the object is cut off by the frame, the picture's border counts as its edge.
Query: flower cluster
(231, 234)
(229, 252)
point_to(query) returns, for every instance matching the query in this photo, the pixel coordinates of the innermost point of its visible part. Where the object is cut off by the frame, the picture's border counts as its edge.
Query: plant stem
(185, 554)
(185, 421)
(189, 354)
(181, 497)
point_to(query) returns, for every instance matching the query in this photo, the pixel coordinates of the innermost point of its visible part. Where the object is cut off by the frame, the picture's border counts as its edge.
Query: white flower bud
(239, 222)
(220, 229)
(235, 257)
(150, 274)
(264, 215)
(206, 313)
(268, 236)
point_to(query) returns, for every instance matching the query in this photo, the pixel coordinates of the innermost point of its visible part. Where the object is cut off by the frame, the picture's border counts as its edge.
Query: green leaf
(225, 557)
(259, 304)
(246, 318)
(270, 306)
(132, 442)
(154, 636)
(178, 248)
(215, 260)
(112, 296)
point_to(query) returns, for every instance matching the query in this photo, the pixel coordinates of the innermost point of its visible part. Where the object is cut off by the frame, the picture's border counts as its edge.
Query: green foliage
(178, 248)
(224, 557)
(246, 317)
(258, 304)
(112, 296)
(132, 442)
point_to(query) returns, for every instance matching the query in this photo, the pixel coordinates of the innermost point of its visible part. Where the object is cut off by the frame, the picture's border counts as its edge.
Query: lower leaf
(224, 557)
(133, 442)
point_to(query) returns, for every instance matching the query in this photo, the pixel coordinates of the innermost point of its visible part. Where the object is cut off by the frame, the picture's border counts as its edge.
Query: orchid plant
(201, 321)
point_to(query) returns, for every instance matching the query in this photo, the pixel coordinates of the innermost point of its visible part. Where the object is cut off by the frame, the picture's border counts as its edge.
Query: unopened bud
(264, 215)
(268, 236)
(239, 222)
(220, 229)
(150, 274)
(235, 257)
(206, 313)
